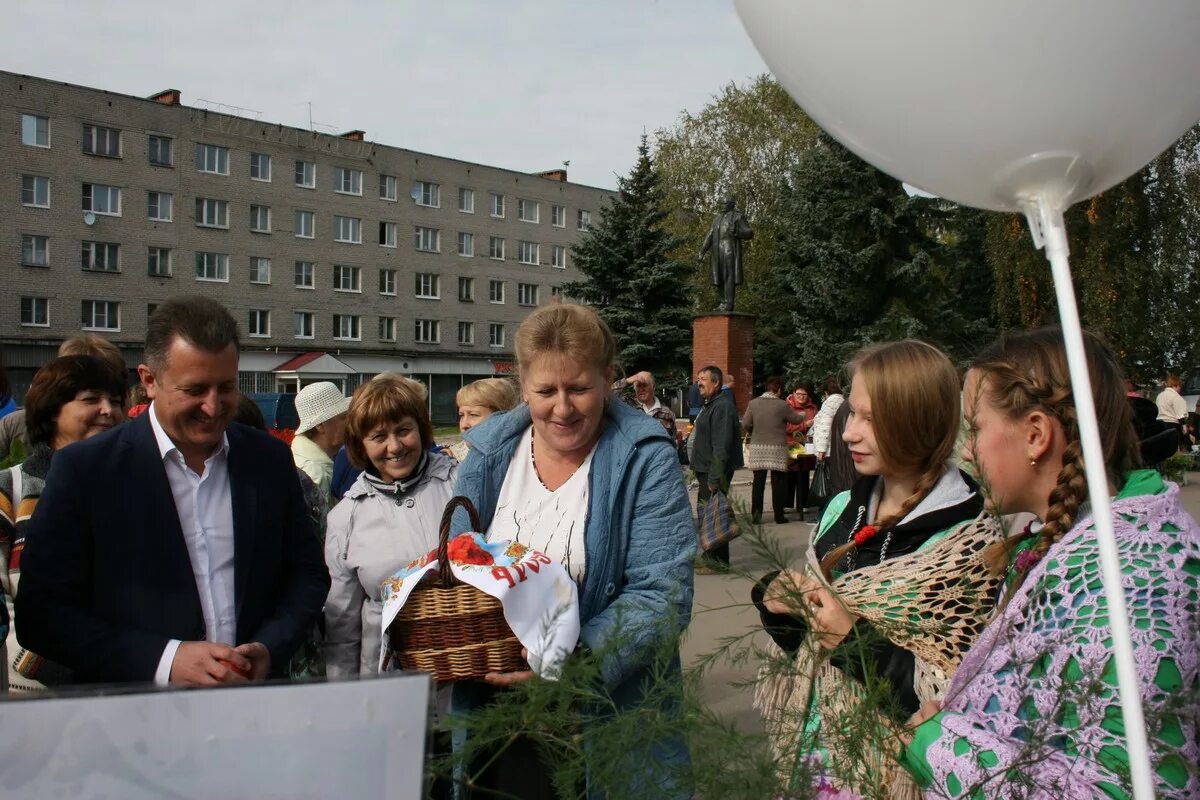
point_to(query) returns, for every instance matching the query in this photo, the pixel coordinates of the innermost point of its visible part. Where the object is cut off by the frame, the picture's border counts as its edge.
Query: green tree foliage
(632, 279)
(860, 261)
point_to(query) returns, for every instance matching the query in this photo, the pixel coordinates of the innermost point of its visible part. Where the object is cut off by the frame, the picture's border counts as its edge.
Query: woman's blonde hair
(1027, 371)
(573, 331)
(385, 399)
(498, 394)
(917, 411)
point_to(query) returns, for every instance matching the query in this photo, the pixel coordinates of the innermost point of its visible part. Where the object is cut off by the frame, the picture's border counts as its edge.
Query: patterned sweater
(1034, 710)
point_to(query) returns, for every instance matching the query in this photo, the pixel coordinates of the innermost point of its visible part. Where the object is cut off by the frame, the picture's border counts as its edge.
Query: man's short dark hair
(55, 384)
(714, 372)
(199, 321)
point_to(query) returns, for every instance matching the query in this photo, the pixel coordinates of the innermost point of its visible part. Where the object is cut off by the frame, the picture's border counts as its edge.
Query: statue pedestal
(726, 340)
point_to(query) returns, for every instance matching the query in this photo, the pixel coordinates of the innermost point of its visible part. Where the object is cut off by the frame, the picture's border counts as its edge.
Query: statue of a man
(729, 229)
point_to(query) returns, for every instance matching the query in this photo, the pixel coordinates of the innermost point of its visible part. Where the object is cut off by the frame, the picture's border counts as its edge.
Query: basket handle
(444, 572)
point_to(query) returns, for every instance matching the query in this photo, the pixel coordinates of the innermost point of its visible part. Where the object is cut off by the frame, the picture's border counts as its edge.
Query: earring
(1033, 462)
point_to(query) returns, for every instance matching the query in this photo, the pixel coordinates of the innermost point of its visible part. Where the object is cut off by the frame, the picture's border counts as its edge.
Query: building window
(387, 234)
(584, 220)
(387, 187)
(100, 199)
(35, 250)
(427, 331)
(150, 309)
(466, 333)
(428, 194)
(527, 294)
(305, 224)
(466, 290)
(496, 204)
(101, 256)
(212, 213)
(101, 315)
(347, 181)
(306, 174)
(427, 286)
(558, 257)
(212, 158)
(495, 334)
(387, 281)
(35, 191)
(427, 240)
(35, 130)
(260, 322)
(346, 326)
(495, 291)
(260, 167)
(260, 269)
(347, 279)
(558, 216)
(158, 262)
(260, 219)
(160, 206)
(35, 312)
(466, 244)
(159, 149)
(306, 275)
(527, 252)
(528, 210)
(496, 247)
(101, 141)
(466, 201)
(302, 324)
(347, 229)
(212, 266)
(387, 329)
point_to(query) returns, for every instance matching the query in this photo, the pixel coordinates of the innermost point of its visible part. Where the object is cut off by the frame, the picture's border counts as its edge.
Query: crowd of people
(930, 648)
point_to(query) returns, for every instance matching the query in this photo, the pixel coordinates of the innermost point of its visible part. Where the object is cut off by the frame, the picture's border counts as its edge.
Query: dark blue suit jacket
(106, 579)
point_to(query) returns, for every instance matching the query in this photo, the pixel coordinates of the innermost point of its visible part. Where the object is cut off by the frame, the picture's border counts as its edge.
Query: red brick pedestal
(726, 341)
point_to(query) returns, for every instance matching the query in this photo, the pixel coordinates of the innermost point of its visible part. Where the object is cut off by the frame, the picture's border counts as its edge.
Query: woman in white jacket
(831, 390)
(387, 518)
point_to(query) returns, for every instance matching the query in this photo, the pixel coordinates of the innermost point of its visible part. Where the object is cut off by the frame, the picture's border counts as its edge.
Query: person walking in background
(800, 464)
(717, 444)
(479, 400)
(322, 410)
(823, 423)
(644, 386)
(1172, 408)
(766, 421)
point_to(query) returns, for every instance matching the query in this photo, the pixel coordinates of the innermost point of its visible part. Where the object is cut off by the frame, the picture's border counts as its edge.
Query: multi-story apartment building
(340, 257)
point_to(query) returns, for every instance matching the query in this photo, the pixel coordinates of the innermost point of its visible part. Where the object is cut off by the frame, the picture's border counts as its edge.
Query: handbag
(818, 490)
(718, 525)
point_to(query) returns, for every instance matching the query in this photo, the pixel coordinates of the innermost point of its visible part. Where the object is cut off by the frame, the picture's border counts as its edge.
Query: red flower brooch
(864, 535)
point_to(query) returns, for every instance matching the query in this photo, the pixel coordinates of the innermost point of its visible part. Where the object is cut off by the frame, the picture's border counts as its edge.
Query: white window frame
(34, 302)
(388, 187)
(469, 327)
(387, 282)
(218, 210)
(111, 308)
(469, 283)
(257, 211)
(151, 140)
(496, 205)
(347, 180)
(29, 244)
(308, 317)
(355, 326)
(466, 200)
(558, 216)
(92, 135)
(217, 263)
(157, 208)
(38, 181)
(256, 165)
(299, 217)
(347, 230)
(427, 331)
(388, 232)
(492, 248)
(305, 174)
(528, 253)
(558, 257)
(260, 315)
(347, 278)
(427, 240)
(467, 238)
(524, 292)
(257, 265)
(429, 194)
(93, 247)
(157, 253)
(427, 286)
(26, 120)
(387, 329)
(98, 199)
(493, 283)
(523, 206)
(212, 159)
(493, 340)
(303, 268)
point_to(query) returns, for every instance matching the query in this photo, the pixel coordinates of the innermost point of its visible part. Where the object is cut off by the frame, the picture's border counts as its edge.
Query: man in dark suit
(176, 548)
(717, 446)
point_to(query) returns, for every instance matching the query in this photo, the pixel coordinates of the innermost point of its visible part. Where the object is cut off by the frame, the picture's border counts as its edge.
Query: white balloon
(986, 102)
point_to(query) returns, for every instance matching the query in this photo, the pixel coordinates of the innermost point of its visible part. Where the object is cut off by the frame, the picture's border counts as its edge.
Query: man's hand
(209, 664)
(260, 659)
(510, 678)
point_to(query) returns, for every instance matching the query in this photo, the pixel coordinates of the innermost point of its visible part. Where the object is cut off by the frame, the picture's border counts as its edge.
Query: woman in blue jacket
(595, 485)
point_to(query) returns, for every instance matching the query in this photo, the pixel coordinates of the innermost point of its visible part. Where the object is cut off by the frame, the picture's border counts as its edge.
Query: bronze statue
(729, 229)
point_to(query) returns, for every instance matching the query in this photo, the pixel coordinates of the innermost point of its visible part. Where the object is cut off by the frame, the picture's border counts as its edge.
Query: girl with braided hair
(1033, 711)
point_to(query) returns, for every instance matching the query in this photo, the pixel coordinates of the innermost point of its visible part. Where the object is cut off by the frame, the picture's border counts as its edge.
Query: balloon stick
(1048, 228)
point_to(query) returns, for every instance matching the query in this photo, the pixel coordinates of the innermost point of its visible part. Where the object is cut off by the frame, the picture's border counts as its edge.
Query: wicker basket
(450, 628)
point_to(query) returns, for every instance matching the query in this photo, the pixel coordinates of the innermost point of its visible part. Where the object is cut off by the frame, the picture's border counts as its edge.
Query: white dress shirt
(205, 507)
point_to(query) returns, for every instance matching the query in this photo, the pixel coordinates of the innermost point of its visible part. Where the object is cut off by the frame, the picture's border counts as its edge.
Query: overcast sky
(521, 84)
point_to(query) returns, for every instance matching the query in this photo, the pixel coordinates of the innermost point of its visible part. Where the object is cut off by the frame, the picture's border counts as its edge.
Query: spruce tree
(632, 281)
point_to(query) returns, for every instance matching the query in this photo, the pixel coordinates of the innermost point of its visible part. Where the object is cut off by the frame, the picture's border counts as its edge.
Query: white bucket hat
(319, 402)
